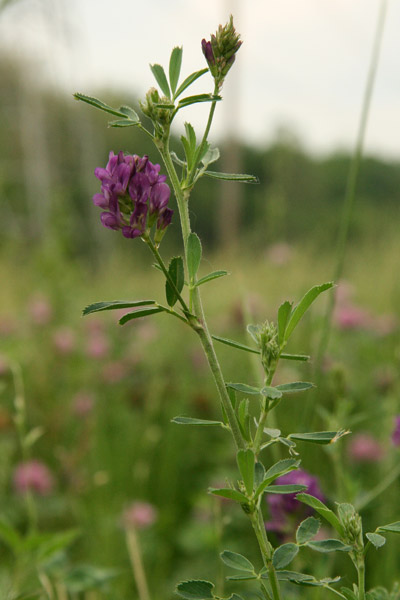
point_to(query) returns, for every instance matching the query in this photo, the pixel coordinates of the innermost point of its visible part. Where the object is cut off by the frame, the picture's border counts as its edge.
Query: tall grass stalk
(352, 181)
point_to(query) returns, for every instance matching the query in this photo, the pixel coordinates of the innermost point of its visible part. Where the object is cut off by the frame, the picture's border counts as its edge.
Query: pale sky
(303, 63)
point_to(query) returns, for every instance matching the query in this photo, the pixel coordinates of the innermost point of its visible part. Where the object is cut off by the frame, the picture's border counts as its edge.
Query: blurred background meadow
(97, 399)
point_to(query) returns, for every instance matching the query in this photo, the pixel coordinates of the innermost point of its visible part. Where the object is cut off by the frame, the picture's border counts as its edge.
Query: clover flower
(133, 195)
(33, 476)
(139, 515)
(363, 447)
(285, 511)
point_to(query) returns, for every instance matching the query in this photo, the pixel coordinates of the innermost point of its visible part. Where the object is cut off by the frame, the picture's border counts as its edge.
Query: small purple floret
(133, 195)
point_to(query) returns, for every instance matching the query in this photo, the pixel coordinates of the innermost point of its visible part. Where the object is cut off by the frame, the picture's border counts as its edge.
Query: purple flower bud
(133, 194)
(208, 52)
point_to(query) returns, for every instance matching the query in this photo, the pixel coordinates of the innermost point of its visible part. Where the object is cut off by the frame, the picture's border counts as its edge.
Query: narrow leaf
(198, 98)
(284, 555)
(295, 386)
(123, 123)
(235, 344)
(244, 418)
(115, 305)
(376, 539)
(193, 255)
(230, 494)
(191, 421)
(141, 312)
(195, 590)
(211, 155)
(236, 561)
(292, 576)
(100, 105)
(246, 463)
(191, 136)
(177, 274)
(211, 276)
(161, 79)
(175, 63)
(277, 470)
(291, 488)
(320, 437)
(323, 510)
(283, 315)
(188, 81)
(259, 474)
(392, 527)
(244, 388)
(303, 305)
(281, 468)
(129, 112)
(302, 357)
(307, 530)
(348, 593)
(329, 546)
(240, 177)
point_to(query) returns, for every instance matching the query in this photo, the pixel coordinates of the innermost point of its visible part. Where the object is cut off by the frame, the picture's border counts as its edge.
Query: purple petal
(109, 220)
(100, 200)
(101, 174)
(159, 197)
(139, 188)
(130, 232)
(165, 218)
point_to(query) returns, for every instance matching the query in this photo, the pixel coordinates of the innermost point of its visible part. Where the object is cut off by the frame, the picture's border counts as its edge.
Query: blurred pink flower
(363, 447)
(40, 310)
(349, 316)
(396, 431)
(114, 371)
(97, 345)
(33, 476)
(140, 515)
(64, 340)
(83, 403)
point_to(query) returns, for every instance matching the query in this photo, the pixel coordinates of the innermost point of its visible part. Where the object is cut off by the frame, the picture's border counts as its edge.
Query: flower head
(33, 476)
(133, 195)
(363, 447)
(220, 51)
(140, 515)
(285, 510)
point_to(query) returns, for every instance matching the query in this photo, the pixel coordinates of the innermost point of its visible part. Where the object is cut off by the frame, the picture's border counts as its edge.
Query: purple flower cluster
(134, 196)
(285, 511)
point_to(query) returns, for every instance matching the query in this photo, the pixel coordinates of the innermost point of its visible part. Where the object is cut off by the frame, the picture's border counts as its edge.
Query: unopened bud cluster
(352, 525)
(267, 340)
(152, 107)
(220, 51)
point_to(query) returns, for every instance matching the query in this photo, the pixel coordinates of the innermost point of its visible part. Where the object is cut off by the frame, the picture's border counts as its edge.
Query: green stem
(205, 136)
(263, 417)
(206, 340)
(361, 579)
(164, 269)
(351, 185)
(266, 551)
